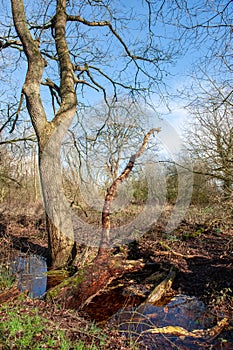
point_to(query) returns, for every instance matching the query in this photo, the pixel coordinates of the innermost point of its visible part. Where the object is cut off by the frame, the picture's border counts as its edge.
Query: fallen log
(161, 290)
(78, 291)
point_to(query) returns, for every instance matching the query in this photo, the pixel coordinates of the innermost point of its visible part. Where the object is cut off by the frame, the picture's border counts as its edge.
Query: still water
(30, 272)
(182, 311)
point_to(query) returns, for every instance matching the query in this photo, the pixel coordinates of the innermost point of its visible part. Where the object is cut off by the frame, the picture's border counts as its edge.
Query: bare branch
(114, 32)
(23, 139)
(5, 42)
(111, 192)
(17, 112)
(35, 67)
(52, 85)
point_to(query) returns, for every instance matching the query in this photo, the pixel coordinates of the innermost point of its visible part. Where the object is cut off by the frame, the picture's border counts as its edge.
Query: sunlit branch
(4, 43)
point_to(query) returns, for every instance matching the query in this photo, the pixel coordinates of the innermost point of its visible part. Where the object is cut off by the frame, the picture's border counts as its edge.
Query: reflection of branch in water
(136, 318)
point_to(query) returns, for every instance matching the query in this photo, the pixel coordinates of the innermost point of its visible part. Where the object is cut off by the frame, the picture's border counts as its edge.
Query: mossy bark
(78, 291)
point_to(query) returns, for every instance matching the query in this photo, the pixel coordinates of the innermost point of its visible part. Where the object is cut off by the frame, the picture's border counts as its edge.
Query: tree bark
(88, 282)
(50, 134)
(61, 242)
(111, 193)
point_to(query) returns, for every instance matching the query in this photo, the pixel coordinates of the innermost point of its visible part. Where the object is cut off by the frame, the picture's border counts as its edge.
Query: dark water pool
(29, 270)
(182, 310)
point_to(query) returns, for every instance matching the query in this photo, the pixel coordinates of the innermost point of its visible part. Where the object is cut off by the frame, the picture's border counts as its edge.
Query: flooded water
(135, 319)
(29, 271)
(182, 311)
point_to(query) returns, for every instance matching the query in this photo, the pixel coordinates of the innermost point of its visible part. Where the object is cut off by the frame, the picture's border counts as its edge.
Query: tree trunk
(50, 134)
(58, 212)
(92, 279)
(62, 249)
(112, 191)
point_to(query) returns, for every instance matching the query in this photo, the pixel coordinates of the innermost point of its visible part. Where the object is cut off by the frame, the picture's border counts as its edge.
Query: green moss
(58, 272)
(71, 282)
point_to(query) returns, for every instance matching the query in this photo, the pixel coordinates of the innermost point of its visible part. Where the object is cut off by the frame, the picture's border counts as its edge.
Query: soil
(202, 257)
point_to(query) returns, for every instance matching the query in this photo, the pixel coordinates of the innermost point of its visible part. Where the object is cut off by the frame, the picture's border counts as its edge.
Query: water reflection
(30, 271)
(183, 311)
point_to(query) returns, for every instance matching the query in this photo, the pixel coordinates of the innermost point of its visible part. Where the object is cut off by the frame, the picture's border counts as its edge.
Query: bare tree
(71, 47)
(209, 134)
(210, 137)
(111, 192)
(97, 152)
(110, 135)
(69, 52)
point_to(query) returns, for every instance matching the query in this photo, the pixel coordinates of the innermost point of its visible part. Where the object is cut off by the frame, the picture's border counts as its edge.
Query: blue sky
(179, 69)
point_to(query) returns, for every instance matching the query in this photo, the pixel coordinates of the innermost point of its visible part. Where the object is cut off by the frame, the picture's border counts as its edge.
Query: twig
(186, 256)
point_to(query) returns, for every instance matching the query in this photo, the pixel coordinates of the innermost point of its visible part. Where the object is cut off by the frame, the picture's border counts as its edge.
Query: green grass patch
(23, 331)
(7, 279)
(26, 329)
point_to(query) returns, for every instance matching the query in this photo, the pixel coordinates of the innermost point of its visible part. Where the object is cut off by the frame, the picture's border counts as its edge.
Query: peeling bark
(79, 290)
(209, 333)
(111, 193)
(161, 290)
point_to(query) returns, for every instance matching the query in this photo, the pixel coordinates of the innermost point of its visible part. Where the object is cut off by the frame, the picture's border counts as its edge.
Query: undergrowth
(29, 330)
(6, 277)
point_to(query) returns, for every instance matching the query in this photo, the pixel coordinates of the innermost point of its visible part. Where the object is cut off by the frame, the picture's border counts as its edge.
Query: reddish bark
(111, 192)
(94, 279)
(88, 283)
